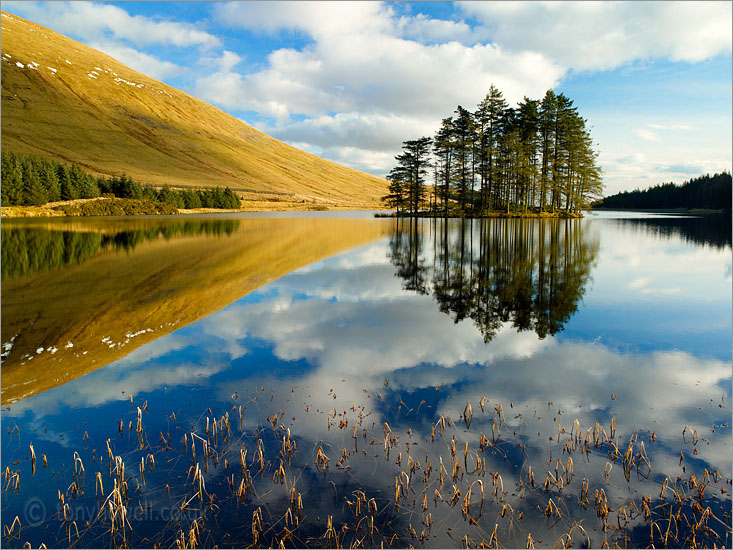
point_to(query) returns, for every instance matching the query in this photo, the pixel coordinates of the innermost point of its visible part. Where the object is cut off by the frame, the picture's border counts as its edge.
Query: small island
(532, 160)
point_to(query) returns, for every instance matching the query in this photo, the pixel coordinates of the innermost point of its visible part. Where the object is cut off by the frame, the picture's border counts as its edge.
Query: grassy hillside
(147, 291)
(70, 102)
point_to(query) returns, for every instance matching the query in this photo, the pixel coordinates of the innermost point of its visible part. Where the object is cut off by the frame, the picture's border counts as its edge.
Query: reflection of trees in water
(713, 230)
(531, 273)
(27, 250)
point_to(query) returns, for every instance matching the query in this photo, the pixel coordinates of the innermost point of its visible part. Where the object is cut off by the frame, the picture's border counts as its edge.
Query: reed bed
(474, 480)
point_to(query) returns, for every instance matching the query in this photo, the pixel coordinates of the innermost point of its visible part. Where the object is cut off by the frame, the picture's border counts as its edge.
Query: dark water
(413, 383)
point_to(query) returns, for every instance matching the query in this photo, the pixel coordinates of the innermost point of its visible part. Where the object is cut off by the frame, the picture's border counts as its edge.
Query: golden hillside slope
(65, 100)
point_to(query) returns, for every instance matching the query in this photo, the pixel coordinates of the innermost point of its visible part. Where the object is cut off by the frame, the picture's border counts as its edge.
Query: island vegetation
(703, 192)
(32, 181)
(533, 159)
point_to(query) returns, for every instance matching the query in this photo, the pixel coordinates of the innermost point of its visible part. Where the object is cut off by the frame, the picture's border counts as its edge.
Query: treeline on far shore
(33, 181)
(703, 192)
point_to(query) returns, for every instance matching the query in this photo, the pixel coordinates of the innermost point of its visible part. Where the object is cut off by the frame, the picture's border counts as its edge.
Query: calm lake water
(340, 380)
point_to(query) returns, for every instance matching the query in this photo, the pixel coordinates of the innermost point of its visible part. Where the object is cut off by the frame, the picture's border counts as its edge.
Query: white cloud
(640, 151)
(604, 35)
(670, 126)
(373, 131)
(369, 79)
(646, 134)
(362, 85)
(424, 29)
(318, 19)
(142, 62)
(95, 21)
(224, 62)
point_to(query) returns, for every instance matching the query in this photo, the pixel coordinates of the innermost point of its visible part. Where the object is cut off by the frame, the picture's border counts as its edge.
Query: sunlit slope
(154, 289)
(65, 100)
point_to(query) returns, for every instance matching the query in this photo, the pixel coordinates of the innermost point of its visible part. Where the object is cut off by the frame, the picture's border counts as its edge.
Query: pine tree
(443, 147)
(191, 199)
(231, 199)
(68, 190)
(488, 116)
(396, 198)
(88, 188)
(50, 182)
(465, 136)
(12, 180)
(34, 194)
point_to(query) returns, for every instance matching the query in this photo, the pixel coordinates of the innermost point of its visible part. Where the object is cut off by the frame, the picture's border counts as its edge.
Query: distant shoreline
(701, 211)
(64, 209)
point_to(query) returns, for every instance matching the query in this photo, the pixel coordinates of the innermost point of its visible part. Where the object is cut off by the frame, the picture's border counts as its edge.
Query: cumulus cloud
(646, 134)
(604, 35)
(368, 80)
(93, 21)
(142, 62)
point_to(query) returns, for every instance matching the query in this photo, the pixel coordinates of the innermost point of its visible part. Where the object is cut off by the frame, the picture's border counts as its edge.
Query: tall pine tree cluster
(535, 157)
(31, 181)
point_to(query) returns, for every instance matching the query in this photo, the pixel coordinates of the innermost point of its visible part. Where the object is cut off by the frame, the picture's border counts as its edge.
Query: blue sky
(350, 81)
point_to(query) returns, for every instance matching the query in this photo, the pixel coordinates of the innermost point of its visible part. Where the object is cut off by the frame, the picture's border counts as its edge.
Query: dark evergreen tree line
(706, 192)
(535, 157)
(31, 181)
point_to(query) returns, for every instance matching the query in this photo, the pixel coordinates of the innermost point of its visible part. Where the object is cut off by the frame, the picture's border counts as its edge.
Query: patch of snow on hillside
(69, 62)
(90, 75)
(118, 80)
(52, 70)
(19, 64)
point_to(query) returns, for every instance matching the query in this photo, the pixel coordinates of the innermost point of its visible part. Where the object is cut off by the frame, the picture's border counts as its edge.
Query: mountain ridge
(68, 101)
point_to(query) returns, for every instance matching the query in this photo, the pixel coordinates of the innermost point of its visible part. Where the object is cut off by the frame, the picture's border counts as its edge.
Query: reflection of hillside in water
(103, 288)
(34, 249)
(713, 230)
(531, 273)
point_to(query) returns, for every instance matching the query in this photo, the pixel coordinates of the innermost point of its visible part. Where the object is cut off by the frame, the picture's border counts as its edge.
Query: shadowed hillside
(64, 100)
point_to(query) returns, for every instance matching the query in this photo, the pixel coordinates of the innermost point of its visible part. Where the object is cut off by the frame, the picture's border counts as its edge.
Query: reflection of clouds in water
(106, 385)
(135, 373)
(402, 336)
(157, 348)
(362, 257)
(359, 332)
(659, 392)
(686, 268)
